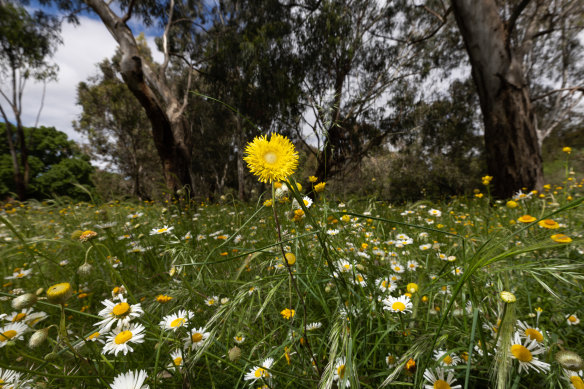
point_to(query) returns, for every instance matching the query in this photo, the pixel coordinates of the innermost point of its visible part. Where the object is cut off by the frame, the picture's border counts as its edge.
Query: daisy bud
(570, 360)
(234, 353)
(85, 269)
(38, 337)
(51, 356)
(59, 293)
(26, 300)
(508, 297)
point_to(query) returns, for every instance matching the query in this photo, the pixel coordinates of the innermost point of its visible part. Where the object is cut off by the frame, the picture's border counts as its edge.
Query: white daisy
(572, 320)
(332, 232)
(385, 285)
(196, 338)
(11, 332)
(10, 379)
(524, 352)
(344, 265)
(457, 271)
(435, 213)
(20, 273)
(177, 359)
(445, 359)
(313, 326)
(260, 372)
(163, 230)
(239, 338)
(533, 333)
(130, 380)
(95, 337)
(118, 314)
(412, 265)
(19, 316)
(211, 300)
(426, 246)
(119, 339)
(398, 268)
(391, 360)
(360, 280)
(401, 304)
(438, 381)
(339, 373)
(176, 320)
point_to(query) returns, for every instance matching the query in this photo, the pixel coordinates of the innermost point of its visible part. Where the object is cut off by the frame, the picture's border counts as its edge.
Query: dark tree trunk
(171, 135)
(513, 155)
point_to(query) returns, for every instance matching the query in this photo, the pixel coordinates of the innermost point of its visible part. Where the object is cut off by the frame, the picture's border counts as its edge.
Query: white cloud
(83, 47)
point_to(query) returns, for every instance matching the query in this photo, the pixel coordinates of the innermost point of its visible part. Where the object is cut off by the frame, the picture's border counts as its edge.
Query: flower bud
(38, 337)
(85, 269)
(26, 300)
(234, 353)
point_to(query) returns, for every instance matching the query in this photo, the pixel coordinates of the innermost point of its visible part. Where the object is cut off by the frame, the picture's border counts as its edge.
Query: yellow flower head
(512, 204)
(549, 224)
(319, 187)
(487, 180)
(271, 160)
(312, 179)
(561, 238)
(59, 293)
(567, 150)
(287, 313)
(526, 219)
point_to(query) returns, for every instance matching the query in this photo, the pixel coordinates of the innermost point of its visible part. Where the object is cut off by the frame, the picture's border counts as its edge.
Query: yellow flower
(511, 204)
(561, 238)
(287, 313)
(567, 150)
(87, 235)
(290, 258)
(268, 203)
(319, 187)
(271, 160)
(549, 224)
(59, 293)
(487, 180)
(312, 178)
(412, 288)
(526, 219)
(162, 299)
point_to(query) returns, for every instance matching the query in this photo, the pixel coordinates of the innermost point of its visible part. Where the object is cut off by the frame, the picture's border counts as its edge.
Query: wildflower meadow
(295, 291)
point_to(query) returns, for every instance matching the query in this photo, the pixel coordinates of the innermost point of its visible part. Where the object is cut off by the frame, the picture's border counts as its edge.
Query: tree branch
(513, 20)
(128, 14)
(571, 89)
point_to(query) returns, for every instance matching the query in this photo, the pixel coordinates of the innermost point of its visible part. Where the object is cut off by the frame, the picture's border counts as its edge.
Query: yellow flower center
(211, 301)
(177, 361)
(521, 353)
(160, 231)
(19, 317)
(572, 318)
(532, 333)
(7, 335)
(93, 336)
(577, 382)
(347, 266)
(441, 384)
(261, 372)
(196, 337)
(397, 268)
(447, 360)
(177, 322)
(398, 306)
(121, 309)
(360, 278)
(123, 337)
(390, 359)
(341, 371)
(270, 157)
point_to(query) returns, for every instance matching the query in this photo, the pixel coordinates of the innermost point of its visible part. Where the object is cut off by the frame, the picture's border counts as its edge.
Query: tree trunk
(513, 155)
(18, 177)
(171, 135)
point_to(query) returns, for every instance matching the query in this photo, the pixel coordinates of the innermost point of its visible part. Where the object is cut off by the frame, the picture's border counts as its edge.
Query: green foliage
(56, 164)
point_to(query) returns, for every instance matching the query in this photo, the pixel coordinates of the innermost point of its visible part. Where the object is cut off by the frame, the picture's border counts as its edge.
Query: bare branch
(128, 14)
(570, 89)
(513, 20)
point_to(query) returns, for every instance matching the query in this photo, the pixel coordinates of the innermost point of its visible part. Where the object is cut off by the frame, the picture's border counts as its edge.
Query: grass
(222, 264)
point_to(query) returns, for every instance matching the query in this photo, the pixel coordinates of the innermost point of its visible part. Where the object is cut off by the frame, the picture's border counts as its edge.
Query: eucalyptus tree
(26, 44)
(117, 129)
(509, 45)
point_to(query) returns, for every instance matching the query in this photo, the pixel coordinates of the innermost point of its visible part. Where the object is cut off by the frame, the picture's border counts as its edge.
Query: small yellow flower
(287, 313)
(268, 203)
(290, 258)
(163, 299)
(508, 297)
(567, 150)
(412, 288)
(313, 179)
(561, 238)
(87, 235)
(511, 204)
(487, 180)
(59, 293)
(526, 219)
(319, 187)
(549, 224)
(271, 160)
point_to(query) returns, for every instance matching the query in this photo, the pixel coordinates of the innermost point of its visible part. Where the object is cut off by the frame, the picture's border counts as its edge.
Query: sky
(83, 47)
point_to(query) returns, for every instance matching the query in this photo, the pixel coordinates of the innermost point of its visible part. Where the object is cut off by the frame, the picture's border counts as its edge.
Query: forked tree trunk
(513, 155)
(171, 135)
